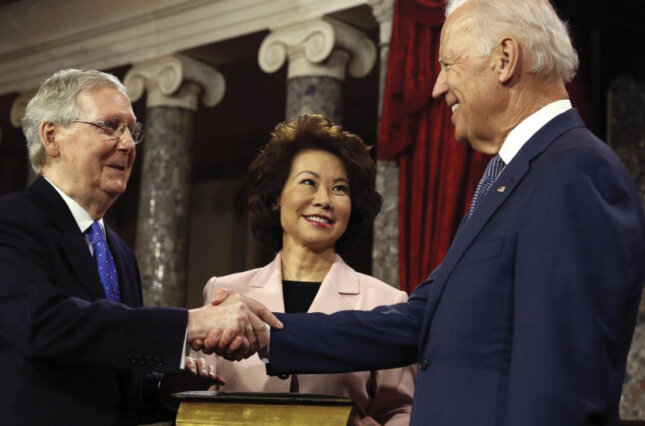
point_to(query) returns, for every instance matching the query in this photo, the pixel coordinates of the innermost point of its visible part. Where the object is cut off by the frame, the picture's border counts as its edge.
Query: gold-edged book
(200, 408)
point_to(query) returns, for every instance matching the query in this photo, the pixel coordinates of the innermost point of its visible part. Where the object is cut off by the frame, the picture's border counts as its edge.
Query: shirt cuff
(265, 358)
(182, 362)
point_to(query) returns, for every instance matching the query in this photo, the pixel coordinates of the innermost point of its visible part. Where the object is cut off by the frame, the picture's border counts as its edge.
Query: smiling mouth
(320, 221)
(454, 107)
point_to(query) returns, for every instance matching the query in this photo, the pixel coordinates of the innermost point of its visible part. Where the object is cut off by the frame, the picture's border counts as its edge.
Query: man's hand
(232, 325)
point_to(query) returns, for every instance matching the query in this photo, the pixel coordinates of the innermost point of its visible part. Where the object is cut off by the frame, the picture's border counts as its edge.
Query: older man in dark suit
(529, 318)
(76, 346)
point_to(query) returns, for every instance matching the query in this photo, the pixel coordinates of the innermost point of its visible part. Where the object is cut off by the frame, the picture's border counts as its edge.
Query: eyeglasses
(115, 128)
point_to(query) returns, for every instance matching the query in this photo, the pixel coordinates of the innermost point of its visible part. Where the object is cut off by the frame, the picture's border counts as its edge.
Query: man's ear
(48, 137)
(507, 59)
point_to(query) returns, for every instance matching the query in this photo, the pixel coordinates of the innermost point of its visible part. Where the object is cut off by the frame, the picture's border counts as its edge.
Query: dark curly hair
(268, 174)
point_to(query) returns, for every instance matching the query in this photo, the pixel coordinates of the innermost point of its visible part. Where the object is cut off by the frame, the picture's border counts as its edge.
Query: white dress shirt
(530, 126)
(81, 216)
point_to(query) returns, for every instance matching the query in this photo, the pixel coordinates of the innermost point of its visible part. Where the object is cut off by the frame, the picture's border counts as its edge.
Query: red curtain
(437, 175)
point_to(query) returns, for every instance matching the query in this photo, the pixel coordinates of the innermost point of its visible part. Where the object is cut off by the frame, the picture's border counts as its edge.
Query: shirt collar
(81, 216)
(530, 126)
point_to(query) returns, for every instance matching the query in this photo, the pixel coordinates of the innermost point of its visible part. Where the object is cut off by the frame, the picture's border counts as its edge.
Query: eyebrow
(318, 176)
(307, 171)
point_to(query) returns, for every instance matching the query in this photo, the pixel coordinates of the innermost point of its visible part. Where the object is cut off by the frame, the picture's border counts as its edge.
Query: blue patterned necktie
(493, 169)
(104, 262)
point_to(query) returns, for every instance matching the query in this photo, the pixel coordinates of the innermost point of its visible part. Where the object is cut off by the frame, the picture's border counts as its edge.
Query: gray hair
(536, 26)
(55, 102)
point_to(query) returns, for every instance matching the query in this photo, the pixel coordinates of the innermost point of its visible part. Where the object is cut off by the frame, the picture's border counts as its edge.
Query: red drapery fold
(437, 175)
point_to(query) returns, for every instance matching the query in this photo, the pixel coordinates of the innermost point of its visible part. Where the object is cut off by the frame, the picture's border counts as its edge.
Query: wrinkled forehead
(458, 31)
(105, 100)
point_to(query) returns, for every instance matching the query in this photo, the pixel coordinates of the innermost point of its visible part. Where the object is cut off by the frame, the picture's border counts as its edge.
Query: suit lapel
(70, 239)
(508, 180)
(75, 248)
(128, 288)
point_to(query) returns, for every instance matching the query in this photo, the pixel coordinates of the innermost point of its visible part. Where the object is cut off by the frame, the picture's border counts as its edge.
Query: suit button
(424, 364)
(283, 376)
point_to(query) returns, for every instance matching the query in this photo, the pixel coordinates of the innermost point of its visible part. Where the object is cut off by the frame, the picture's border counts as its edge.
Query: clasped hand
(232, 325)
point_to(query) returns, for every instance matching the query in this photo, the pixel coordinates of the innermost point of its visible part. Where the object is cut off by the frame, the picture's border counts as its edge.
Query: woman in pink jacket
(312, 196)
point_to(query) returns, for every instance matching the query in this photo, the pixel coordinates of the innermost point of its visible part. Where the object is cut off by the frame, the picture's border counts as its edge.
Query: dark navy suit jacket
(67, 355)
(529, 318)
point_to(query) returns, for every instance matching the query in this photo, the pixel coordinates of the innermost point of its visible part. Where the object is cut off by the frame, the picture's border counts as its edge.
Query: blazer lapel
(341, 280)
(70, 239)
(500, 191)
(267, 285)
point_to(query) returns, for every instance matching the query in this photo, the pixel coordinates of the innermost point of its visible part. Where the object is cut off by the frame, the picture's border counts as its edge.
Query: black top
(298, 295)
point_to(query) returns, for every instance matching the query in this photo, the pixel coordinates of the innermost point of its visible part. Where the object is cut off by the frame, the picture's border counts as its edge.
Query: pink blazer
(384, 395)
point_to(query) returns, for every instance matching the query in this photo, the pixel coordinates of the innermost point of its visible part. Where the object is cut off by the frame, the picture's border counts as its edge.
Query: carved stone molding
(313, 49)
(130, 31)
(383, 11)
(175, 80)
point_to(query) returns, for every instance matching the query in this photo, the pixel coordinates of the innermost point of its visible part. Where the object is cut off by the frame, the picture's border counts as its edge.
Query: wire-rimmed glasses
(115, 128)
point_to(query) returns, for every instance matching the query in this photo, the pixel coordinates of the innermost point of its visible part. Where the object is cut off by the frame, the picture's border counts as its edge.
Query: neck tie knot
(104, 262)
(493, 169)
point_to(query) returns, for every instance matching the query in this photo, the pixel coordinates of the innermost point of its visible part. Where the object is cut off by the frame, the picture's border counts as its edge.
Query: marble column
(173, 85)
(319, 53)
(385, 248)
(383, 11)
(15, 116)
(625, 130)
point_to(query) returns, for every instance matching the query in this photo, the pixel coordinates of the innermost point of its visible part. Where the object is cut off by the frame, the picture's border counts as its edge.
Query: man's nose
(126, 141)
(440, 87)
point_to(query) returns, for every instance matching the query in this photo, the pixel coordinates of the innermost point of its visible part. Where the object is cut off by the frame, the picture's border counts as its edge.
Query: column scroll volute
(310, 45)
(175, 80)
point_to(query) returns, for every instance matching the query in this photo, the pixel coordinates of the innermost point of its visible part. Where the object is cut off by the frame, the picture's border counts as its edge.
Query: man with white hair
(529, 318)
(76, 345)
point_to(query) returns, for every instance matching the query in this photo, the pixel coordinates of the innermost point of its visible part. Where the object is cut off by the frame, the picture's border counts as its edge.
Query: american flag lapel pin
(501, 189)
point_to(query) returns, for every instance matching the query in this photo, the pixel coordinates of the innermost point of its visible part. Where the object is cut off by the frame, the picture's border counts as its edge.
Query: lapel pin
(501, 189)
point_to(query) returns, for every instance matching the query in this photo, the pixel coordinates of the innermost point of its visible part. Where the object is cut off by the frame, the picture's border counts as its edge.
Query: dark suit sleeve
(577, 287)
(385, 337)
(44, 323)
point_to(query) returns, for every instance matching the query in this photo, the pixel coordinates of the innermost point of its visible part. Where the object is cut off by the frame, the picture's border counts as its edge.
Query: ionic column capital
(383, 11)
(175, 80)
(319, 47)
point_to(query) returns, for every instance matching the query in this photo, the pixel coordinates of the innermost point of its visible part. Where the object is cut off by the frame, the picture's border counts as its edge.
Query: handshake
(232, 325)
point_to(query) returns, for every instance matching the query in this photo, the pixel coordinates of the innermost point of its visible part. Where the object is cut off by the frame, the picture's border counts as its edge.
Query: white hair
(55, 102)
(534, 23)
